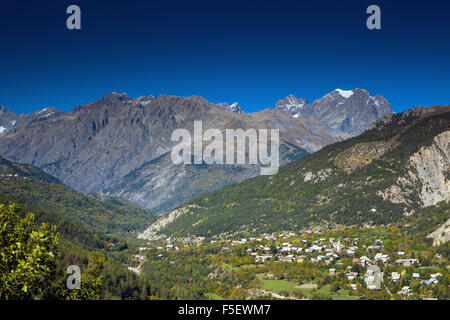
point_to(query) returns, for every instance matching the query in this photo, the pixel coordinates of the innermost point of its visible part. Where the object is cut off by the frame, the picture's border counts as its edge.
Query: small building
(352, 275)
(405, 291)
(407, 262)
(395, 276)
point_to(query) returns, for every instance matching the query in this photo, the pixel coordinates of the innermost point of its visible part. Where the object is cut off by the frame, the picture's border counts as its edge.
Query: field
(278, 285)
(212, 296)
(343, 294)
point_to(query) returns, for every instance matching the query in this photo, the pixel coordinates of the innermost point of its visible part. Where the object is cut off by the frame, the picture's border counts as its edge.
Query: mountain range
(120, 146)
(351, 111)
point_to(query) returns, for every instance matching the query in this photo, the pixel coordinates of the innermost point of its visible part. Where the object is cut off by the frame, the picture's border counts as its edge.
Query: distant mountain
(400, 164)
(235, 107)
(163, 186)
(349, 111)
(93, 147)
(121, 146)
(291, 105)
(9, 120)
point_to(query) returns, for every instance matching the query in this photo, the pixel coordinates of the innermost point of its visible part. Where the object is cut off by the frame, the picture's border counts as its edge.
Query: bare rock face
(350, 111)
(92, 146)
(9, 120)
(441, 235)
(427, 174)
(433, 167)
(151, 232)
(291, 105)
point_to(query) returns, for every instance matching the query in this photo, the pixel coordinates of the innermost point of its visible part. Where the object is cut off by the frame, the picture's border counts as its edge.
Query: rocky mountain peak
(115, 97)
(234, 107)
(291, 105)
(351, 111)
(9, 119)
(46, 113)
(344, 93)
(144, 100)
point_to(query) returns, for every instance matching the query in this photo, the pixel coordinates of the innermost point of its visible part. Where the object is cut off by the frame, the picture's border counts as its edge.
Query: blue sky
(254, 52)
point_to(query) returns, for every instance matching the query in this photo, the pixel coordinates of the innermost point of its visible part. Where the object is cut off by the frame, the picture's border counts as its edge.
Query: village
(360, 267)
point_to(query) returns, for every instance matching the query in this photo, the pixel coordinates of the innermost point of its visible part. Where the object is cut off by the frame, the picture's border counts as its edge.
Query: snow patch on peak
(291, 105)
(48, 115)
(293, 100)
(2, 129)
(345, 93)
(235, 107)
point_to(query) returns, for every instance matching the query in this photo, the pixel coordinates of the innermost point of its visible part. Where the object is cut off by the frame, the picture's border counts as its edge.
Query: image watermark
(374, 278)
(233, 148)
(374, 20)
(73, 22)
(74, 280)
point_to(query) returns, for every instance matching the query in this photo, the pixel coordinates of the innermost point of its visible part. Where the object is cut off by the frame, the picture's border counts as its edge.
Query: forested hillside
(95, 235)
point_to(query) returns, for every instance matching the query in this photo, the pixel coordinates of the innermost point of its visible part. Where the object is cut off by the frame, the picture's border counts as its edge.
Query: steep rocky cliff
(428, 175)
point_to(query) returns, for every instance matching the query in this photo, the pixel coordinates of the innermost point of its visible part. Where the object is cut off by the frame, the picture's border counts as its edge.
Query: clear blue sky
(254, 52)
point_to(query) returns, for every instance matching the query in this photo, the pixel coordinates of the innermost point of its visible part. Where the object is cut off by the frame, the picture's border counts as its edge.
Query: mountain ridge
(351, 111)
(92, 148)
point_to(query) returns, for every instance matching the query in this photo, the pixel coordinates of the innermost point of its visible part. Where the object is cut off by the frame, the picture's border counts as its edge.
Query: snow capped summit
(42, 111)
(338, 111)
(235, 107)
(10, 119)
(46, 112)
(143, 100)
(291, 105)
(345, 93)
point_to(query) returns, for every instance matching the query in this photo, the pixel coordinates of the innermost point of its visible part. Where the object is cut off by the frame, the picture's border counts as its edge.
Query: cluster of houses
(330, 251)
(15, 175)
(320, 250)
(9, 175)
(326, 251)
(406, 290)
